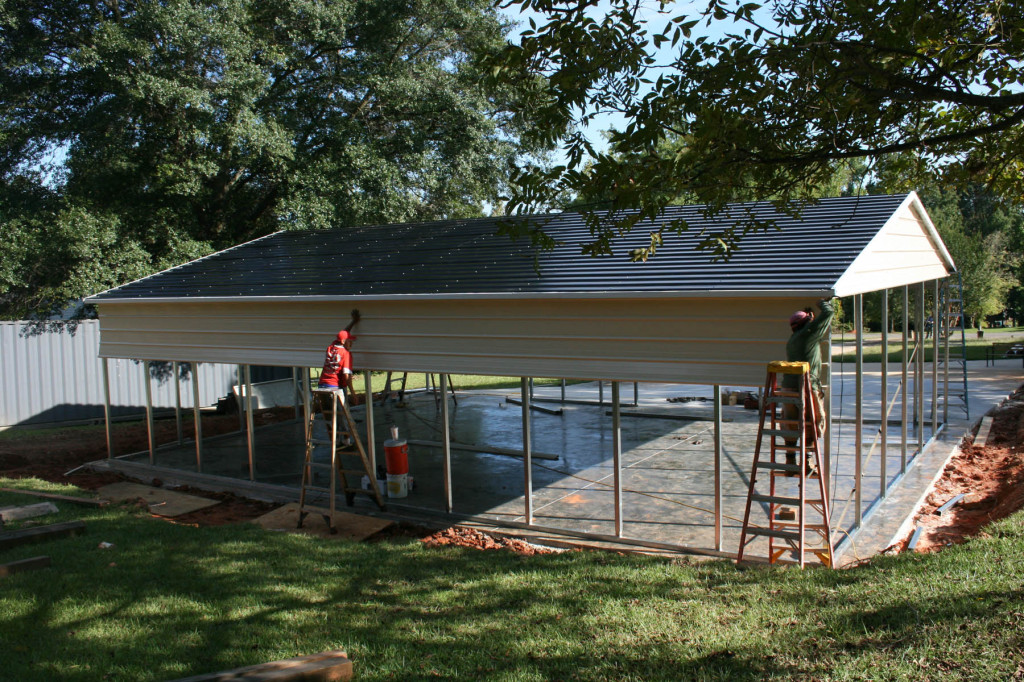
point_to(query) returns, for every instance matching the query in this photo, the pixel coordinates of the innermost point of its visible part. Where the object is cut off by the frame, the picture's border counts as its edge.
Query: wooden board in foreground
(30, 564)
(25, 536)
(88, 501)
(327, 666)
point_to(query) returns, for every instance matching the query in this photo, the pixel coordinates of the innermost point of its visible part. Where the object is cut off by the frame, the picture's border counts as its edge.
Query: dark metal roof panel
(808, 252)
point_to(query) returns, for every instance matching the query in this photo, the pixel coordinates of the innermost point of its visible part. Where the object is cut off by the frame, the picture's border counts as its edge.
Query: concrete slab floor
(667, 465)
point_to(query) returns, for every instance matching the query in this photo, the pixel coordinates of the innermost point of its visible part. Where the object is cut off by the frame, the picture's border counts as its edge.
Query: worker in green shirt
(809, 330)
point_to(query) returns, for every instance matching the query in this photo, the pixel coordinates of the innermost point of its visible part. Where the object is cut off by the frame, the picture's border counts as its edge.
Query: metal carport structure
(456, 297)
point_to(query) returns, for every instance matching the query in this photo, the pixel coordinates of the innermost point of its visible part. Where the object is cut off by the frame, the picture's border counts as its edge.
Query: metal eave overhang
(573, 295)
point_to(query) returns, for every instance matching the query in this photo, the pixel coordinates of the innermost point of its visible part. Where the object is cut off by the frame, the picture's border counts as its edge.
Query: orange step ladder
(800, 443)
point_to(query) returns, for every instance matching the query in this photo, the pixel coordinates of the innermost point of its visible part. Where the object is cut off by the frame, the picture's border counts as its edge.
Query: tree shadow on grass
(170, 601)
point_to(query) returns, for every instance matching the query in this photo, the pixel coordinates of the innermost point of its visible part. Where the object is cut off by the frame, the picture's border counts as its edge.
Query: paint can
(398, 485)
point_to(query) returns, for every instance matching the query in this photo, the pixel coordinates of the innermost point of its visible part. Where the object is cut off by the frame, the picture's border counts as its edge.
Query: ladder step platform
(776, 499)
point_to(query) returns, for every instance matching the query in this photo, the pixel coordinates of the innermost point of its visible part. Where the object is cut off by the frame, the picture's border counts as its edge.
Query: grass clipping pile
(989, 475)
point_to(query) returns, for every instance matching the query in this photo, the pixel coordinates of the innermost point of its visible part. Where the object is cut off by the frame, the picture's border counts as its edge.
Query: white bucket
(398, 485)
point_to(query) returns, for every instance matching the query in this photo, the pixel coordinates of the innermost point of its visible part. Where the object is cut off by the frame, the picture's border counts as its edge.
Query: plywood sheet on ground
(161, 502)
(349, 526)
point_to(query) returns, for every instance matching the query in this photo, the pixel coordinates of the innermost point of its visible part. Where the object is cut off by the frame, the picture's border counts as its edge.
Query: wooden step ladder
(331, 406)
(800, 441)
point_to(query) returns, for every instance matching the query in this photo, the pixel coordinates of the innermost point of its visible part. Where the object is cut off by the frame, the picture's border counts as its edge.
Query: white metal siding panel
(705, 341)
(54, 377)
(903, 252)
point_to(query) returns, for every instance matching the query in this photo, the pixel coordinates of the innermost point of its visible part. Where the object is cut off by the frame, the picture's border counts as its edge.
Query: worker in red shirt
(337, 371)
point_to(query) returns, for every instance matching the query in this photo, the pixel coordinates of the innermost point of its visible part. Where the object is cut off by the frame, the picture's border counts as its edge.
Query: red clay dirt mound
(990, 476)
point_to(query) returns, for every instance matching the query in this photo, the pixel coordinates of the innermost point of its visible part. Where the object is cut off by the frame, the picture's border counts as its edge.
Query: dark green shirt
(803, 346)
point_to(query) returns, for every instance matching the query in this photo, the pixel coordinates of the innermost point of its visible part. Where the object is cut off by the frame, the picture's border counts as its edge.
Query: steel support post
(617, 457)
(371, 432)
(919, 405)
(446, 443)
(945, 354)
(858, 322)
(241, 397)
(197, 417)
(636, 394)
(307, 402)
(884, 433)
(717, 393)
(150, 434)
(600, 392)
(250, 430)
(524, 389)
(903, 381)
(826, 366)
(296, 392)
(935, 356)
(106, 408)
(177, 403)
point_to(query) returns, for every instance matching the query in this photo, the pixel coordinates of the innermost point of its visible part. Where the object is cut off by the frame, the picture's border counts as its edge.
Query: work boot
(786, 514)
(791, 461)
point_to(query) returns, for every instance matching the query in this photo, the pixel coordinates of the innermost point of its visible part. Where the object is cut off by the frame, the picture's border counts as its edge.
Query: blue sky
(649, 11)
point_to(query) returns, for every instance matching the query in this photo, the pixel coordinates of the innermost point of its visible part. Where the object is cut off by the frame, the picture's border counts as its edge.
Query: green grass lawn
(843, 349)
(171, 600)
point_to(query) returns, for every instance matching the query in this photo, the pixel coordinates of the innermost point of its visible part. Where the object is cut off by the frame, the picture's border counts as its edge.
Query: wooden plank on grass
(30, 564)
(53, 531)
(29, 511)
(327, 666)
(88, 501)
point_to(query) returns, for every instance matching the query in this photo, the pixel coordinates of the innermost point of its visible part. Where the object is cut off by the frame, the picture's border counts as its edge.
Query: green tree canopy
(769, 98)
(135, 134)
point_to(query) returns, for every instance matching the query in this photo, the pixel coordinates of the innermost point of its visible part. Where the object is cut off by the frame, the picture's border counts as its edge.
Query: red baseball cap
(343, 335)
(798, 318)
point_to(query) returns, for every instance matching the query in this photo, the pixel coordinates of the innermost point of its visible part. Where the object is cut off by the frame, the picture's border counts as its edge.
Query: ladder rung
(316, 488)
(782, 433)
(321, 441)
(816, 527)
(794, 501)
(323, 465)
(811, 476)
(793, 448)
(354, 472)
(790, 400)
(360, 490)
(768, 532)
(778, 466)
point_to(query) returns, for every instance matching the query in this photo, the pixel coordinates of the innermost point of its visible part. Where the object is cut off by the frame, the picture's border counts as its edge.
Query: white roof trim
(914, 202)
(780, 293)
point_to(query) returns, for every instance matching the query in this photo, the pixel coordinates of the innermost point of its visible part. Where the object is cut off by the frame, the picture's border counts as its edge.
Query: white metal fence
(58, 377)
